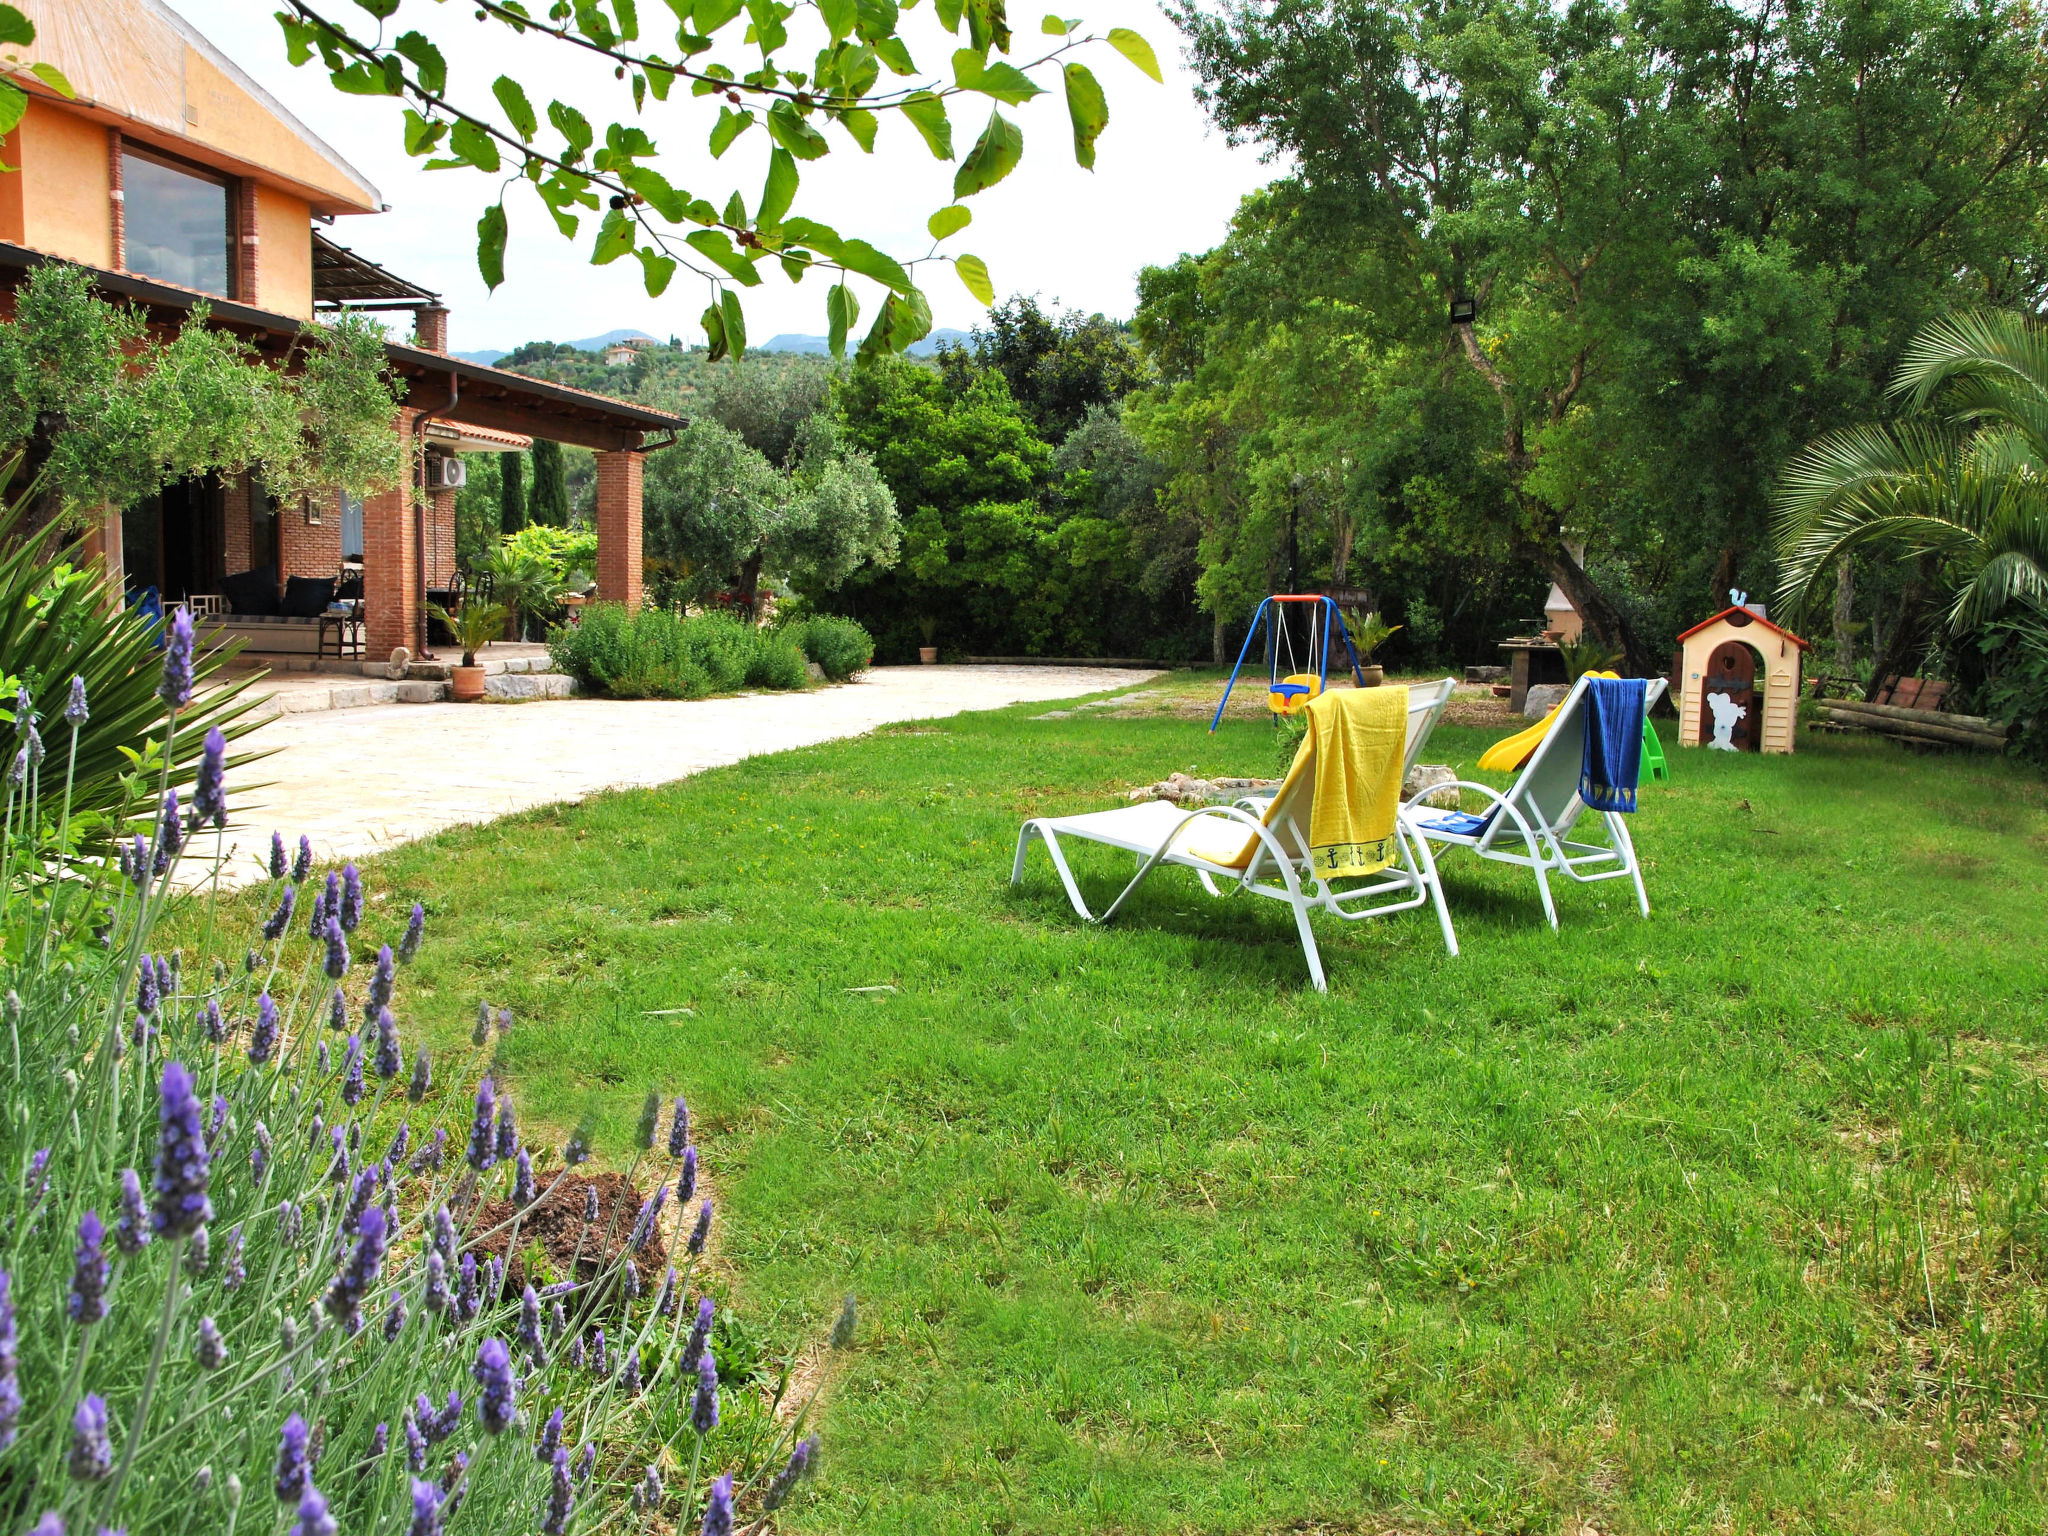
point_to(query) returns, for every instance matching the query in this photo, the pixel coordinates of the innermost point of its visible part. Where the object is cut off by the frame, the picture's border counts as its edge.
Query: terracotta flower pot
(465, 684)
(928, 654)
(1374, 676)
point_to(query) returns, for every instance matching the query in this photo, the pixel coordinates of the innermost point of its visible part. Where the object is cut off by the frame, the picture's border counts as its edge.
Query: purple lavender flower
(259, 1153)
(394, 1318)
(718, 1508)
(561, 1503)
(481, 1035)
(438, 1426)
(380, 1442)
(291, 1223)
(493, 1372)
(131, 1228)
(415, 931)
(589, 1204)
(145, 987)
(34, 747)
(340, 1170)
(679, 1130)
(647, 1493)
(649, 1219)
(180, 1205)
(302, 866)
(576, 1352)
(337, 950)
(482, 1144)
(209, 792)
(529, 1327)
(629, 1373)
(352, 1073)
(38, 1174)
(522, 1179)
(586, 1461)
(74, 707)
(277, 859)
(550, 1433)
(232, 1272)
(430, 1155)
(170, 834)
(215, 1122)
(507, 1142)
(211, 1022)
(337, 1011)
(87, 1303)
(345, 1296)
(686, 1178)
(704, 1405)
(92, 1455)
(213, 1351)
(798, 1468)
(10, 1364)
(316, 917)
(250, 961)
(444, 1233)
(294, 1468)
(382, 977)
(426, 1509)
(314, 1519)
(398, 1145)
(263, 1038)
(600, 1355)
(166, 977)
(504, 1021)
(700, 1234)
(436, 1297)
(422, 1076)
(361, 1192)
(17, 772)
(415, 1443)
(665, 1302)
(700, 1334)
(52, 1523)
(176, 687)
(468, 1299)
(351, 910)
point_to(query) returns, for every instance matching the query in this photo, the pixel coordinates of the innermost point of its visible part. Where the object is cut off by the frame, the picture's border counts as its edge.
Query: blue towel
(1459, 823)
(1614, 742)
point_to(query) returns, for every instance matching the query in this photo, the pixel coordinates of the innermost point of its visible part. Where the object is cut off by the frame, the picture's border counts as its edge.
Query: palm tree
(1959, 486)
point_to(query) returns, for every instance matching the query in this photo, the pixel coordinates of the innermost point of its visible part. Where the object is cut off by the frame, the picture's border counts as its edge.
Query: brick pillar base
(618, 527)
(391, 572)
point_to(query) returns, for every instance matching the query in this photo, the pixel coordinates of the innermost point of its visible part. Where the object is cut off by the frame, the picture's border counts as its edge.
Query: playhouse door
(1728, 700)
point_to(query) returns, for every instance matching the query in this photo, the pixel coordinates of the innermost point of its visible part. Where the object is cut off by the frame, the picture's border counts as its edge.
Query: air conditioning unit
(445, 472)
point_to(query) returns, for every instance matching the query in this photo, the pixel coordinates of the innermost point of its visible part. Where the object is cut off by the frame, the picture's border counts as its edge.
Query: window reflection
(178, 224)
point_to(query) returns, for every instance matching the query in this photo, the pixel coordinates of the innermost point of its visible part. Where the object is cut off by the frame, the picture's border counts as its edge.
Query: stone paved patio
(360, 780)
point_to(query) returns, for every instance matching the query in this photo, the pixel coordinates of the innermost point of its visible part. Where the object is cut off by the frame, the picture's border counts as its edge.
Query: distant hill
(490, 356)
(791, 341)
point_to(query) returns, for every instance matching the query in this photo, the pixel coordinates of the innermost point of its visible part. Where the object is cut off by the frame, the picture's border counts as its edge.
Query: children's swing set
(1289, 692)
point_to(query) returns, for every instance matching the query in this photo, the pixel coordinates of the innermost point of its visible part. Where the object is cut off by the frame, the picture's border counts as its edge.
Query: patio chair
(1531, 823)
(1257, 845)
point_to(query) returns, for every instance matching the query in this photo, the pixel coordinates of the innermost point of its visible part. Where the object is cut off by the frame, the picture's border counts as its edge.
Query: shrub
(653, 654)
(315, 1312)
(722, 646)
(777, 662)
(839, 646)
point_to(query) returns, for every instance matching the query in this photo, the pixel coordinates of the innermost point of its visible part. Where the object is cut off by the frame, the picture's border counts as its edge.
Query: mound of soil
(556, 1226)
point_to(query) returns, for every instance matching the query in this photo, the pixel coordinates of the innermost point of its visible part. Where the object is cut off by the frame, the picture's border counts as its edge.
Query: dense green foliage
(549, 503)
(839, 646)
(511, 491)
(1724, 1220)
(659, 654)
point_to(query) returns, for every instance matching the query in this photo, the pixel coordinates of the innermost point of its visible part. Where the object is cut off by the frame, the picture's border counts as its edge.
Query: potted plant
(474, 625)
(928, 627)
(1372, 633)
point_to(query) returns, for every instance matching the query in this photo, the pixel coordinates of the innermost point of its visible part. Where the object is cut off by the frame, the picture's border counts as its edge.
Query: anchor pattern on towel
(1353, 858)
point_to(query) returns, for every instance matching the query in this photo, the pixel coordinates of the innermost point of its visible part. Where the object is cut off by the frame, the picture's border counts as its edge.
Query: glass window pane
(177, 225)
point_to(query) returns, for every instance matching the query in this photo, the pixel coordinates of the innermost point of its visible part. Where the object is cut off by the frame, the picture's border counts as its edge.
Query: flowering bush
(251, 1255)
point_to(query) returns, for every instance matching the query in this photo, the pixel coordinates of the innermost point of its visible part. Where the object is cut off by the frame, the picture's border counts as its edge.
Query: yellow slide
(1508, 754)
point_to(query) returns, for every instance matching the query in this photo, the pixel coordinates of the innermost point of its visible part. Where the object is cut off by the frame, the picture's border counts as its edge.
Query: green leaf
(421, 135)
(892, 52)
(779, 191)
(878, 19)
(730, 125)
(490, 245)
(859, 256)
(1052, 26)
(994, 156)
(15, 27)
(842, 309)
(298, 37)
(794, 265)
(713, 14)
(712, 243)
(905, 318)
(654, 187)
(659, 80)
(13, 105)
(859, 122)
(821, 238)
(1136, 49)
(767, 29)
(974, 277)
(571, 125)
(614, 238)
(735, 211)
(840, 15)
(53, 77)
(656, 268)
(629, 19)
(518, 110)
(714, 329)
(968, 65)
(426, 61)
(949, 14)
(1005, 82)
(735, 323)
(949, 220)
(379, 8)
(1089, 111)
(927, 114)
(474, 146)
(794, 134)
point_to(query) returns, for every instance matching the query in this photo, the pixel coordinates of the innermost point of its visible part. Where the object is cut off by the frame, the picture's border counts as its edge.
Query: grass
(1730, 1219)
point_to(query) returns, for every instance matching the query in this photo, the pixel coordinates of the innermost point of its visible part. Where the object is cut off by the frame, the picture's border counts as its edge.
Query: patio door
(351, 527)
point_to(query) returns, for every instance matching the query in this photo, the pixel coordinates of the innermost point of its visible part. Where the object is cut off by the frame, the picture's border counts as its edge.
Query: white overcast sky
(1164, 181)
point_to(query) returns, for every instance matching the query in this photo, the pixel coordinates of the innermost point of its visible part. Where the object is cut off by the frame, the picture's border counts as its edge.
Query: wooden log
(1922, 715)
(1917, 730)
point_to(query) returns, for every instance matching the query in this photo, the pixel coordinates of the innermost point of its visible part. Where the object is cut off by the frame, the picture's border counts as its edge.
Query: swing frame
(1269, 613)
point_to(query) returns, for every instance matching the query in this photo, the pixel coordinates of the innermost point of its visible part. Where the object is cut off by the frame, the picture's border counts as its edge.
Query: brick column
(246, 287)
(117, 200)
(618, 528)
(391, 573)
(430, 328)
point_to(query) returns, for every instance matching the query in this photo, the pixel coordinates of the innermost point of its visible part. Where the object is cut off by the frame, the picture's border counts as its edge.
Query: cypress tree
(511, 492)
(549, 503)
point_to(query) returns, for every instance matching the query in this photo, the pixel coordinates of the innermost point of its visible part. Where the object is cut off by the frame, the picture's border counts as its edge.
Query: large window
(179, 222)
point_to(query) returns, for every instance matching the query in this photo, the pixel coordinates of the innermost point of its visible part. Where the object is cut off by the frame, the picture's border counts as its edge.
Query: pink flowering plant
(245, 1270)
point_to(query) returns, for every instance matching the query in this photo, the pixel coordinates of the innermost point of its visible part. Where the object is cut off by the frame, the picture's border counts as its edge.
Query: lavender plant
(273, 1296)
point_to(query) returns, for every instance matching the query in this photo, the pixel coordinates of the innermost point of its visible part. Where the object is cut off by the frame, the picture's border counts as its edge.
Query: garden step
(529, 685)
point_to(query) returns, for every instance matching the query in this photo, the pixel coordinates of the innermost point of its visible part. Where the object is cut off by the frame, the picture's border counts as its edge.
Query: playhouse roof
(1741, 617)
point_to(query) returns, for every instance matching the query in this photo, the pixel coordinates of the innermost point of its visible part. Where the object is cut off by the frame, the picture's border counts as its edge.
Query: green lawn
(1730, 1219)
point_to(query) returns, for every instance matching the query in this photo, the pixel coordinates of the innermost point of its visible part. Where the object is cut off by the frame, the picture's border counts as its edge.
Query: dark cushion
(306, 597)
(252, 592)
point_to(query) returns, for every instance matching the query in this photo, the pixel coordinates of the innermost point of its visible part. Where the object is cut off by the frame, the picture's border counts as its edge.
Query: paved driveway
(359, 780)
